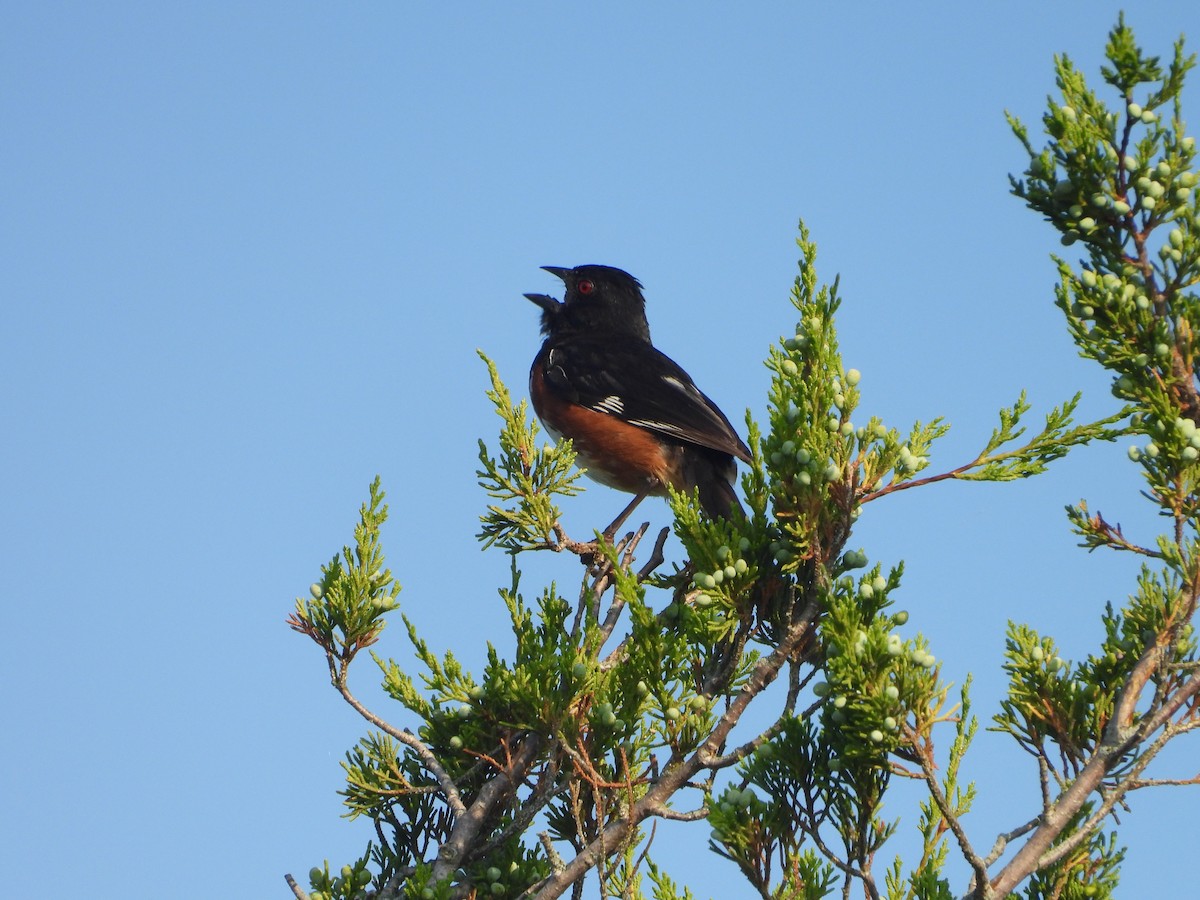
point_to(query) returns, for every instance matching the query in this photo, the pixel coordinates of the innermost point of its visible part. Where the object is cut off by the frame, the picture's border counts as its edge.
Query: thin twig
(556, 861)
(1163, 782)
(453, 799)
(694, 816)
(1003, 840)
(618, 603)
(925, 760)
(850, 871)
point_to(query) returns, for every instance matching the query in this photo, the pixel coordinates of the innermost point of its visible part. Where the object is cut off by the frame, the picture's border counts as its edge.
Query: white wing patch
(664, 427)
(610, 404)
(688, 390)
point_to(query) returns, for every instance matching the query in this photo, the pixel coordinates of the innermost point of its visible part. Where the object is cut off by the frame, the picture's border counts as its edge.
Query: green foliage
(526, 473)
(1051, 443)
(926, 881)
(816, 453)
(347, 884)
(1121, 183)
(384, 783)
(1047, 702)
(664, 887)
(1091, 872)
(347, 608)
(625, 704)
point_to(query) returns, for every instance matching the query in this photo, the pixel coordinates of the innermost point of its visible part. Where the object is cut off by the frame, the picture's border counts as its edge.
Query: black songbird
(636, 419)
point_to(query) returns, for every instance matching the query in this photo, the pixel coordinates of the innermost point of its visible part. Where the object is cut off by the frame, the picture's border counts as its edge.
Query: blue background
(247, 253)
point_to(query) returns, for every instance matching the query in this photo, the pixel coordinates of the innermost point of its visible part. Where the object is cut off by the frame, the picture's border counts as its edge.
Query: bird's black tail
(712, 473)
(719, 500)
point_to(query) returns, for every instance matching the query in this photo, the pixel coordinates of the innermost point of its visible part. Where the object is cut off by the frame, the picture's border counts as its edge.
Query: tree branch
(1119, 740)
(654, 801)
(922, 753)
(445, 782)
(1002, 841)
(467, 825)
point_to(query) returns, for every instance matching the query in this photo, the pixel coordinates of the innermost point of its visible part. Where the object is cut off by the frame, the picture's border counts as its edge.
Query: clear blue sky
(247, 252)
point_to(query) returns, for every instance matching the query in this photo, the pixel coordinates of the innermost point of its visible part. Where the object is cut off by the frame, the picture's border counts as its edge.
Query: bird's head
(598, 299)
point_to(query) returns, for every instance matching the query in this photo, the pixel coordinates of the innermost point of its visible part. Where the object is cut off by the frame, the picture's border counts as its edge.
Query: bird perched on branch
(636, 419)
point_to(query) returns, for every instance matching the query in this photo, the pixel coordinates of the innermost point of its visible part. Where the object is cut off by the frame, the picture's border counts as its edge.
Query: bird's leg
(610, 532)
(597, 564)
(589, 553)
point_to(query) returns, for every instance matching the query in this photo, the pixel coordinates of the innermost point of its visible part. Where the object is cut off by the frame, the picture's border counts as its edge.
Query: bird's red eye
(585, 286)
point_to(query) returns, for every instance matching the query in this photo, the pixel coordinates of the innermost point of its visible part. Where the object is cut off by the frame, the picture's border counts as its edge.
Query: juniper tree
(625, 703)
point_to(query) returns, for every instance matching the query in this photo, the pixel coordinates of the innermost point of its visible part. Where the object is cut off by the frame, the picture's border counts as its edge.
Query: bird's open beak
(550, 304)
(547, 303)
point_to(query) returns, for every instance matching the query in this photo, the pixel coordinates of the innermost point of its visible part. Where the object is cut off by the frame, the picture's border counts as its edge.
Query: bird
(636, 420)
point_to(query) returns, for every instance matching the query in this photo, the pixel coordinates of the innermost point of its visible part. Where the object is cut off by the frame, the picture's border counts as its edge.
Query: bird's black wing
(638, 384)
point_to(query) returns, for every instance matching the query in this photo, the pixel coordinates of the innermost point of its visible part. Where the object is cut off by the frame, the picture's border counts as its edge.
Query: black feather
(653, 391)
(551, 307)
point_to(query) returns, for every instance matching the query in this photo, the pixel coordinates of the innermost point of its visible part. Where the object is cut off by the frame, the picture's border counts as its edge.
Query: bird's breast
(615, 453)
